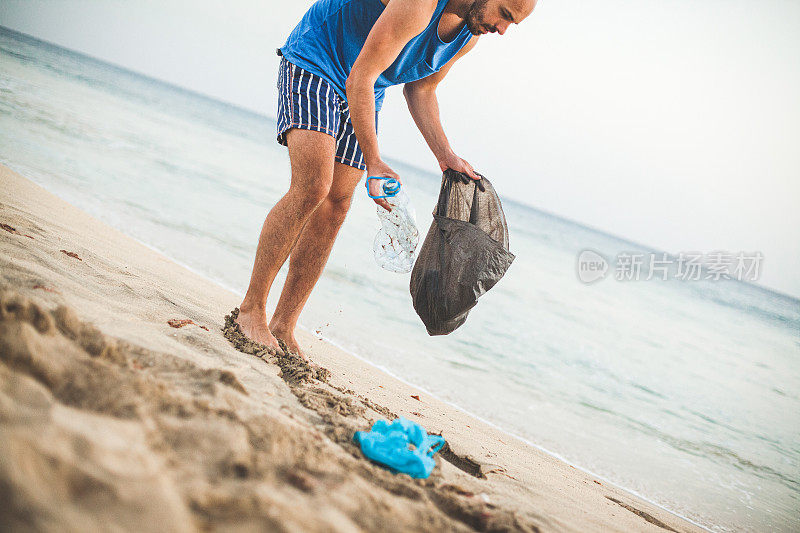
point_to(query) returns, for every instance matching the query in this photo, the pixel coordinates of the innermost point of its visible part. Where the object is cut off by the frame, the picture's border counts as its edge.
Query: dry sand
(113, 419)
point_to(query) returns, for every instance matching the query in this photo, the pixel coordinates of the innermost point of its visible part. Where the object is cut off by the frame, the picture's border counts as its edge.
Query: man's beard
(475, 16)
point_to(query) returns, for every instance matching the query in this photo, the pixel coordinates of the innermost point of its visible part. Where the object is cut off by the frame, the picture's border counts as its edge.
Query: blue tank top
(330, 36)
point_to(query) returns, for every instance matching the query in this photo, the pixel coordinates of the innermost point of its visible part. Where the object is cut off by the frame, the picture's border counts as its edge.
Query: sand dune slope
(101, 433)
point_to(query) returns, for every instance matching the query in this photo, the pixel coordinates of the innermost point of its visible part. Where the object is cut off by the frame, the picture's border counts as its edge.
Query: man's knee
(311, 154)
(339, 204)
(345, 180)
(311, 194)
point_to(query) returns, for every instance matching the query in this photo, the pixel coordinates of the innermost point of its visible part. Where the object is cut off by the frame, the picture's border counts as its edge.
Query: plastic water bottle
(396, 243)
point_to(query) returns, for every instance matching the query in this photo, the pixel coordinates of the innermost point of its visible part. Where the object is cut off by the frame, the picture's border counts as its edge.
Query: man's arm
(398, 24)
(424, 108)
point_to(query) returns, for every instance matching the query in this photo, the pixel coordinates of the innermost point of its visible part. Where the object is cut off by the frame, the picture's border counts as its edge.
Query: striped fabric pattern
(308, 102)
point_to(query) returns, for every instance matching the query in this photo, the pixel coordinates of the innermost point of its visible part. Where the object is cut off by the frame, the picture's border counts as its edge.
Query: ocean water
(686, 393)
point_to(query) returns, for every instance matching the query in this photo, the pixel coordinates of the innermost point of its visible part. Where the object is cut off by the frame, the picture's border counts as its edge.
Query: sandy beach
(112, 418)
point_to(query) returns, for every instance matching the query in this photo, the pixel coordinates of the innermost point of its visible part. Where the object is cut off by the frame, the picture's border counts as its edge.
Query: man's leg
(312, 158)
(311, 252)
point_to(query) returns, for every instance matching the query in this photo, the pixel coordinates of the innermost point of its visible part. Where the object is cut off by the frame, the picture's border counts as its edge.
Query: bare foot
(287, 336)
(253, 325)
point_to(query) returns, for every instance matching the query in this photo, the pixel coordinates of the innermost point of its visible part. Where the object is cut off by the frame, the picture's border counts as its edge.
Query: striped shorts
(308, 102)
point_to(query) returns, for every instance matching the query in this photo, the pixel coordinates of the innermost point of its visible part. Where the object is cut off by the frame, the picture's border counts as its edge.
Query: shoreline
(550, 495)
(387, 371)
(513, 435)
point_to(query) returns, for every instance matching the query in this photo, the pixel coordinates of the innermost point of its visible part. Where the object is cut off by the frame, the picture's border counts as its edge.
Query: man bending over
(336, 65)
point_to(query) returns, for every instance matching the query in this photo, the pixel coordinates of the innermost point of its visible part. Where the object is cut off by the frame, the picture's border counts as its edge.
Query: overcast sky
(674, 123)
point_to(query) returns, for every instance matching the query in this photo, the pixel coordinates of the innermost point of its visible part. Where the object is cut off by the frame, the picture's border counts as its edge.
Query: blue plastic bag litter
(389, 444)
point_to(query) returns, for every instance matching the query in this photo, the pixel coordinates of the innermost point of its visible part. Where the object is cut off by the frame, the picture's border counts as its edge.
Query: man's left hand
(451, 160)
(456, 163)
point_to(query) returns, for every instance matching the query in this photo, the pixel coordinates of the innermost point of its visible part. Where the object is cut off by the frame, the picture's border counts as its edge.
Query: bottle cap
(391, 187)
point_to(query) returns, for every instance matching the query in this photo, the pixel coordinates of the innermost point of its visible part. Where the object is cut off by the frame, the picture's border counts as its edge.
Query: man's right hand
(380, 169)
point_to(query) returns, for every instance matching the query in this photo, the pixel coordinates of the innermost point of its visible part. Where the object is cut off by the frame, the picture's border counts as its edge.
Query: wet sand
(123, 406)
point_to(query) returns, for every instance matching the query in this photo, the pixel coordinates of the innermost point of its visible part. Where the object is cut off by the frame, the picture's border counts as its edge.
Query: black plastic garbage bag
(464, 254)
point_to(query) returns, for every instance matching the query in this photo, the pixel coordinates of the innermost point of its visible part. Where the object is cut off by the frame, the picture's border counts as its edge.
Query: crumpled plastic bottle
(396, 243)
